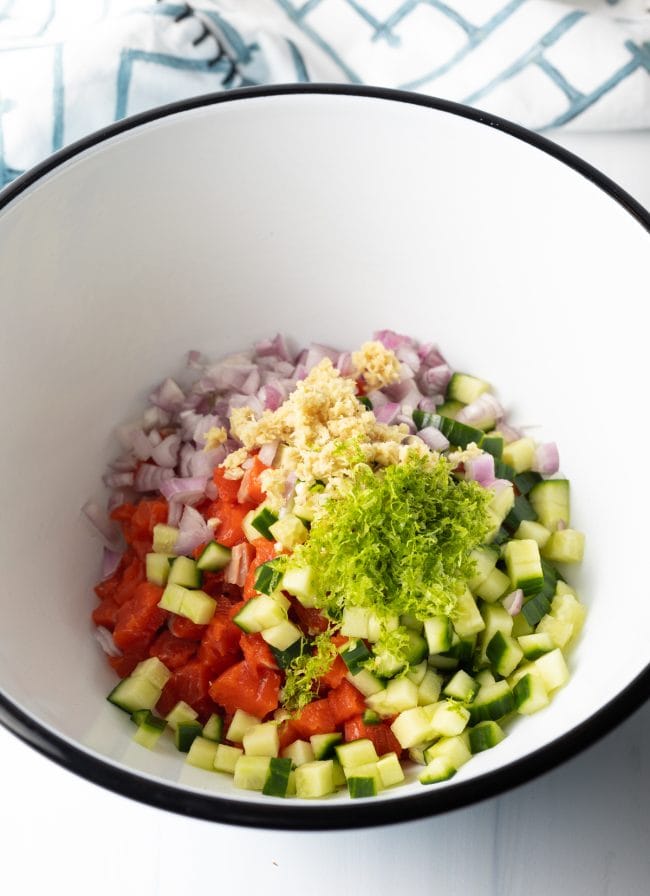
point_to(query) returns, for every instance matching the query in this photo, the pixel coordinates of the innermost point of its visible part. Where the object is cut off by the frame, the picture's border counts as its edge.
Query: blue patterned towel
(68, 67)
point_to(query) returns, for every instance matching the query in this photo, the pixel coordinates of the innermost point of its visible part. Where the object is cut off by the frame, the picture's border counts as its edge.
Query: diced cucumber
(181, 713)
(459, 434)
(497, 619)
(157, 568)
(370, 717)
(526, 480)
(521, 626)
(366, 682)
(521, 511)
(465, 388)
(299, 752)
(524, 565)
(565, 546)
(260, 613)
(213, 728)
(262, 740)
(356, 752)
(377, 625)
(466, 618)
(251, 772)
(461, 687)
(530, 693)
(416, 673)
(484, 676)
(416, 649)
(559, 631)
(390, 770)
(240, 724)
(567, 608)
(536, 645)
(323, 744)
(484, 736)
(184, 571)
(493, 443)
(412, 727)
(315, 779)
(226, 757)
(455, 749)
(439, 769)
(214, 557)
(363, 780)
(149, 729)
(277, 779)
(411, 622)
(299, 583)
(284, 658)
(282, 635)
(354, 654)
(355, 622)
(551, 500)
(202, 753)
(530, 529)
(185, 733)
(197, 606)
(164, 538)
(493, 701)
(438, 632)
(257, 521)
(289, 531)
(502, 503)
(485, 559)
(429, 688)
(154, 670)
(133, 693)
(519, 454)
(553, 669)
(448, 718)
(494, 587)
(268, 577)
(447, 409)
(504, 653)
(400, 694)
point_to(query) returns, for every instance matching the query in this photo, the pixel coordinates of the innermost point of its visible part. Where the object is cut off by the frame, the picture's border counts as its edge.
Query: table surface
(582, 829)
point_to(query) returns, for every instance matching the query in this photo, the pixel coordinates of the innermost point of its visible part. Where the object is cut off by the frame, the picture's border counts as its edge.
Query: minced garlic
(214, 437)
(378, 365)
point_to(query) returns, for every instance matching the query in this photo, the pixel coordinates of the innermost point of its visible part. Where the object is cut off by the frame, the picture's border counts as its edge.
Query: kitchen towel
(69, 67)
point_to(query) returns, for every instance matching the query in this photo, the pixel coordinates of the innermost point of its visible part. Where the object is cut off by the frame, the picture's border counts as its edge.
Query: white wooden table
(581, 829)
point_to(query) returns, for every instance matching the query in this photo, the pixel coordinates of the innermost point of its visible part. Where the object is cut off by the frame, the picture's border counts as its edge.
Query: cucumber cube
(299, 583)
(315, 779)
(466, 618)
(504, 653)
(438, 632)
(559, 631)
(530, 693)
(185, 734)
(289, 531)
(181, 713)
(354, 654)
(226, 758)
(323, 745)
(356, 752)
(519, 454)
(268, 577)
(461, 687)
(551, 501)
(565, 546)
(198, 607)
(429, 688)
(412, 727)
(184, 572)
(485, 559)
(282, 636)
(366, 682)
(157, 568)
(537, 644)
(164, 538)
(214, 557)
(465, 388)
(553, 669)
(251, 772)
(390, 770)
(202, 753)
(495, 586)
(134, 693)
(355, 622)
(172, 598)
(154, 670)
(262, 740)
(484, 736)
(149, 730)
(299, 752)
(277, 779)
(534, 530)
(493, 701)
(260, 613)
(213, 728)
(447, 718)
(400, 694)
(363, 780)
(524, 565)
(439, 769)
(455, 750)
(240, 724)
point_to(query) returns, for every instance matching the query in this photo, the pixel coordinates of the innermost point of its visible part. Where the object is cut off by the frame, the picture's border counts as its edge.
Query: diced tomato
(257, 652)
(173, 652)
(241, 687)
(139, 618)
(380, 734)
(123, 513)
(138, 521)
(229, 532)
(310, 620)
(264, 551)
(126, 663)
(106, 613)
(345, 702)
(287, 733)
(250, 487)
(181, 627)
(227, 488)
(220, 643)
(337, 672)
(315, 718)
(191, 683)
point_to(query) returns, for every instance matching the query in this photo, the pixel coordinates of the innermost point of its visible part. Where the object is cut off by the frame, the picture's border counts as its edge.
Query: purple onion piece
(547, 459)
(184, 490)
(392, 340)
(274, 348)
(513, 602)
(388, 412)
(101, 523)
(480, 469)
(433, 438)
(434, 380)
(168, 396)
(110, 562)
(149, 477)
(193, 531)
(166, 453)
(316, 353)
(267, 452)
(484, 406)
(106, 641)
(203, 463)
(119, 480)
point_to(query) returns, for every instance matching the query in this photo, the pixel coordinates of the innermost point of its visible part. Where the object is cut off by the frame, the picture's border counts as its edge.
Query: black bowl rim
(326, 816)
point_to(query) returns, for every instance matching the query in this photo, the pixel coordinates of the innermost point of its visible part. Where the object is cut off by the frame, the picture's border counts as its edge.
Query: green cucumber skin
(277, 779)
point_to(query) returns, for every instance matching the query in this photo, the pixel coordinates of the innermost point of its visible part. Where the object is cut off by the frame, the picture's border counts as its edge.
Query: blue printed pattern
(489, 54)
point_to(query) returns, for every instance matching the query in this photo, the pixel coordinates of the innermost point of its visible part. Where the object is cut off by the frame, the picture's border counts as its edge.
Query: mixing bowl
(326, 213)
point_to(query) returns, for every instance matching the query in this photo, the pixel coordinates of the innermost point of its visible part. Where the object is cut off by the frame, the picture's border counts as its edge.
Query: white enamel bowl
(326, 213)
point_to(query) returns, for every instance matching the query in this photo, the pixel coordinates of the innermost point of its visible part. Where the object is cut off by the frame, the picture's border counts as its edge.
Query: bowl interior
(325, 217)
